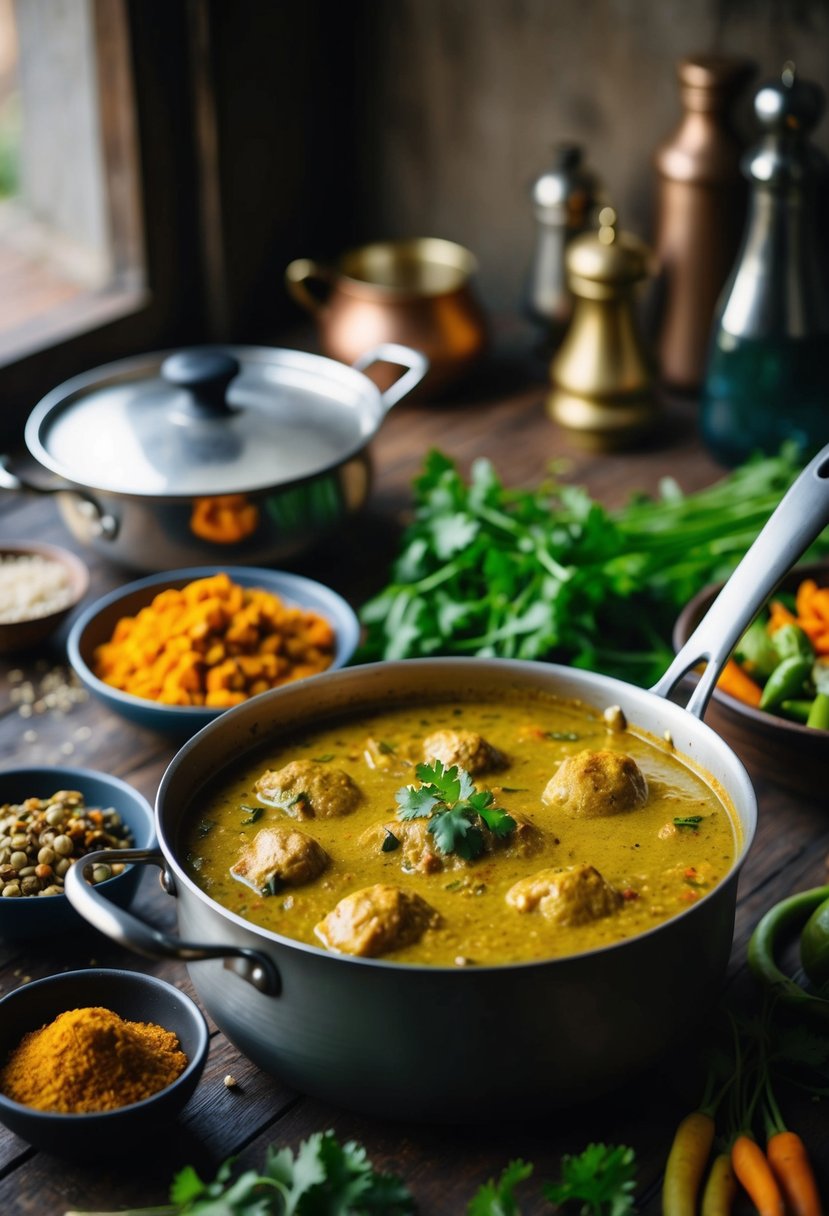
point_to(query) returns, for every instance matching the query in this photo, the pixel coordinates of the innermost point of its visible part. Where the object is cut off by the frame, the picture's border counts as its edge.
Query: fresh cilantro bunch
(550, 573)
(598, 1182)
(602, 1179)
(324, 1178)
(447, 797)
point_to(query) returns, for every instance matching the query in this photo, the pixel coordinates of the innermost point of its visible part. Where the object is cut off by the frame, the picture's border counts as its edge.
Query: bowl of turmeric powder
(93, 1061)
(174, 650)
(772, 699)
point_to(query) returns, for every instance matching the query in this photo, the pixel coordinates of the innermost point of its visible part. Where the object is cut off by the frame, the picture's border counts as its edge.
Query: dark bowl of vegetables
(772, 700)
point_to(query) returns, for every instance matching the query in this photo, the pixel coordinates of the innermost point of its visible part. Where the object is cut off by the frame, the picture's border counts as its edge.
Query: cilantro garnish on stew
(447, 797)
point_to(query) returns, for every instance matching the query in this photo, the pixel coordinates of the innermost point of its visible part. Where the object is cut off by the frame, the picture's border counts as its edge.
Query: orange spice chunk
(91, 1060)
(213, 643)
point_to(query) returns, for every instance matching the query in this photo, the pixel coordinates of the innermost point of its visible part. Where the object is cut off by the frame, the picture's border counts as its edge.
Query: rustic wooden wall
(462, 99)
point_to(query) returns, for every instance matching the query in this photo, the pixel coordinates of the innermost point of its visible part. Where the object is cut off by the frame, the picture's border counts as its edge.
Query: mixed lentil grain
(40, 838)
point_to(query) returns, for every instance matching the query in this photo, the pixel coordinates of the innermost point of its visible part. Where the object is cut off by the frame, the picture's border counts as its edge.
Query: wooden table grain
(501, 416)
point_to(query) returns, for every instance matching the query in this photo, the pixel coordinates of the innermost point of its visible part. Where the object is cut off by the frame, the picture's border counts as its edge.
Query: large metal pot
(241, 453)
(464, 1043)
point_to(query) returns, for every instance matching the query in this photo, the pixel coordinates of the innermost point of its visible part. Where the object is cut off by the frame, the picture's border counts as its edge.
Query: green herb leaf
(324, 759)
(688, 821)
(498, 1198)
(256, 813)
(455, 809)
(390, 842)
(602, 1179)
(204, 827)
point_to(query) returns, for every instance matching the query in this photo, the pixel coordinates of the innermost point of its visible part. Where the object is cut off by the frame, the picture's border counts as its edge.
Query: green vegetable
(602, 1179)
(755, 652)
(448, 798)
(550, 573)
(688, 821)
(498, 1198)
(789, 641)
(814, 947)
(797, 710)
(820, 675)
(767, 939)
(324, 1178)
(787, 681)
(256, 813)
(819, 713)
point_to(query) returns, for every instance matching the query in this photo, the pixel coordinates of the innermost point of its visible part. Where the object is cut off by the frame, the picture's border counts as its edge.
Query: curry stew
(589, 832)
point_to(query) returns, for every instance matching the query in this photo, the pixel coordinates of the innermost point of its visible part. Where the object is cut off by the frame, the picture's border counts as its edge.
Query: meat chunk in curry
(573, 896)
(280, 855)
(376, 920)
(596, 783)
(307, 789)
(415, 844)
(464, 748)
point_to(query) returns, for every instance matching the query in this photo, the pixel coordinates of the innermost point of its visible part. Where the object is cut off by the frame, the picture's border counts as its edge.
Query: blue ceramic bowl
(134, 997)
(95, 626)
(33, 916)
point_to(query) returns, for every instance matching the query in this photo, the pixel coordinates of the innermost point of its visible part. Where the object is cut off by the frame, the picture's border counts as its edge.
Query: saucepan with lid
(458, 1043)
(240, 453)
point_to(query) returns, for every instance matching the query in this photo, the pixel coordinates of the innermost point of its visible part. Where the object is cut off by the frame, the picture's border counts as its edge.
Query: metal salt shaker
(564, 198)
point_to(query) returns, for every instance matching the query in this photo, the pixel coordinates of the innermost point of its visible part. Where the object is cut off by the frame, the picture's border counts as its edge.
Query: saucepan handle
(800, 517)
(417, 366)
(100, 522)
(126, 929)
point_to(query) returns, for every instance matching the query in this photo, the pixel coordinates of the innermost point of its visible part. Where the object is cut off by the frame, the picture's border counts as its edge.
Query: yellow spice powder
(91, 1060)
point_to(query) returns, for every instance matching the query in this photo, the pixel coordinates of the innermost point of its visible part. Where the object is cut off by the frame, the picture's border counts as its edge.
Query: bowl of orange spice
(93, 1061)
(772, 699)
(174, 650)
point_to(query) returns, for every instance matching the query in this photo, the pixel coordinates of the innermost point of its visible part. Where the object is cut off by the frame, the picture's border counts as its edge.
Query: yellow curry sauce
(657, 867)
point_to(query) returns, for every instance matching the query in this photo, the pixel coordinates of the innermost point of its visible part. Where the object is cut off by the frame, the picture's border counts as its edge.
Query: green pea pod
(798, 710)
(755, 651)
(786, 681)
(769, 935)
(814, 947)
(790, 640)
(819, 713)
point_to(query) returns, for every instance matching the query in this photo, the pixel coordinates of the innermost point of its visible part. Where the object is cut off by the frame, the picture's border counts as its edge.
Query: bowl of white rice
(40, 584)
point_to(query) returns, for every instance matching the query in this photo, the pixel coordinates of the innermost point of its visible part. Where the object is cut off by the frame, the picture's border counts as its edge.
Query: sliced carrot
(791, 1166)
(736, 683)
(755, 1174)
(779, 615)
(804, 596)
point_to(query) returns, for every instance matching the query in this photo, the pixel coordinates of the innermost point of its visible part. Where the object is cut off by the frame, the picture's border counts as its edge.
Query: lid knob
(205, 374)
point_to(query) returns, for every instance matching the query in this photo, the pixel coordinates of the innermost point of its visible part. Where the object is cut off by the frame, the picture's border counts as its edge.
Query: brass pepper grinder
(700, 210)
(563, 198)
(602, 379)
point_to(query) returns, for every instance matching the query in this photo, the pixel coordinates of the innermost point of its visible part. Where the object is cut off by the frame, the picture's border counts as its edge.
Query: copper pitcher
(416, 292)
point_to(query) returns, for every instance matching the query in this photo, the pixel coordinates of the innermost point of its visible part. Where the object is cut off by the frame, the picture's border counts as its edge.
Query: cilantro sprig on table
(551, 573)
(447, 797)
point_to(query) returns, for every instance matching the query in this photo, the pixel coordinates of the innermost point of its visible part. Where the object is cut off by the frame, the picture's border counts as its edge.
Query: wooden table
(502, 417)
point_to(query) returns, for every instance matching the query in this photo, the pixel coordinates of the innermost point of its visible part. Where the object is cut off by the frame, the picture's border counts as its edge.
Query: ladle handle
(127, 930)
(800, 517)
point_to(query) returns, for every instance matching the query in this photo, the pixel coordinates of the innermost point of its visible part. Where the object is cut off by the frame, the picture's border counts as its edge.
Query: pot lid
(206, 421)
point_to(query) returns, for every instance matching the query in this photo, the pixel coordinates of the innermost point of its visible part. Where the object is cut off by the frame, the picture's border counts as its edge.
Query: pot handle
(301, 272)
(100, 521)
(417, 366)
(127, 930)
(799, 518)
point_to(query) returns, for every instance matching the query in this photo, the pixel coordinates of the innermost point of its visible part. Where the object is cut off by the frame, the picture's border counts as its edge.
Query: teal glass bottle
(767, 374)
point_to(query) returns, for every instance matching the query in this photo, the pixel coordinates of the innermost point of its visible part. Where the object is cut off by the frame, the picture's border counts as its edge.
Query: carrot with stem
(789, 1161)
(720, 1188)
(689, 1154)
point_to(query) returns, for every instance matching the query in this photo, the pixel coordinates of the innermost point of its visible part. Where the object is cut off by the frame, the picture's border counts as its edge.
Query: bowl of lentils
(40, 584)
(51, 817)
